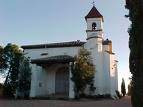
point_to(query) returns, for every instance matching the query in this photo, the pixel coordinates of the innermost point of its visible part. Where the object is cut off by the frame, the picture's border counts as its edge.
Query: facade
(51, 63)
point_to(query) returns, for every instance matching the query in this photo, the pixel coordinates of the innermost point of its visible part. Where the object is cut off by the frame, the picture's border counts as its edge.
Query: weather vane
(93, 3)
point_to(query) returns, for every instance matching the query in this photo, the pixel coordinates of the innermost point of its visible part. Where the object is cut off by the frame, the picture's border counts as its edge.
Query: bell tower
(94, 22)
(94, 30)
(94, 45)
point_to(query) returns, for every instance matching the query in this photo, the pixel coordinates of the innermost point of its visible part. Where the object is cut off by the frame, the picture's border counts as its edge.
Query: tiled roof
(54, 45)
(53, 59)
(110, 52)
(107, 42)
(94, 13)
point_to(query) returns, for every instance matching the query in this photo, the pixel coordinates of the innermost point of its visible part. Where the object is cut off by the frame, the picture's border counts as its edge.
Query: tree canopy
(130, 88)
(123, 88)
(24, 78)
(11, 55)
(3, 64)
(82, 72)
(135, 15)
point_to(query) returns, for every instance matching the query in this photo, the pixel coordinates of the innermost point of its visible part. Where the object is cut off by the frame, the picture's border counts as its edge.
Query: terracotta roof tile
(54, 45)
(53, 59)
(94, 13)
(107, 42)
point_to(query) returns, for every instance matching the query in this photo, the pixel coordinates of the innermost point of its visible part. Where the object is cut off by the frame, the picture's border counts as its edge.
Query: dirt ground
(125, 102)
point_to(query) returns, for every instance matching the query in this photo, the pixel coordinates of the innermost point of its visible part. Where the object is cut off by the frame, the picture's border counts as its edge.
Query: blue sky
(44, 21)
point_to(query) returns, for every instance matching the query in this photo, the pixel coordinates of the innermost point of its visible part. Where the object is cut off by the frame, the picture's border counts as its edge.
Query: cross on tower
(93, 3)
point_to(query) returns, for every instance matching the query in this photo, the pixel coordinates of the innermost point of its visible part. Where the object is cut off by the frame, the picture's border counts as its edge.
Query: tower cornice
(94, 30)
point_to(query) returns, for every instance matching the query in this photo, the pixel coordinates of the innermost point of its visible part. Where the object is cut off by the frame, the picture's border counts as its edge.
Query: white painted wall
(45, 77)
(113, 75)
(106, 47)
(99, 27)
(106, 76)
(37, 77)
(98, 22)
(106, 72)
(36, 53)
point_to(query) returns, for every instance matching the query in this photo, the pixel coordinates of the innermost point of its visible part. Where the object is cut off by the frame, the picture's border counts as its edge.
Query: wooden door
(62, 82)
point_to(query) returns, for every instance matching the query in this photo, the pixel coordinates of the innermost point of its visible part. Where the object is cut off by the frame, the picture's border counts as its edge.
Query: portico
(56, 81)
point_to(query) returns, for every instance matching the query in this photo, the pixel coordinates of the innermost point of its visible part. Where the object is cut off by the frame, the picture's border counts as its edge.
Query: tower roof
(94, 13)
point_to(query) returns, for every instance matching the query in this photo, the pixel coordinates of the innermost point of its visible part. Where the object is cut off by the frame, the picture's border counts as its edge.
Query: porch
(56, 77)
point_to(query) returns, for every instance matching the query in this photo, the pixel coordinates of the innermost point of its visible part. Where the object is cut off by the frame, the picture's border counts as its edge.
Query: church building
(51, 63)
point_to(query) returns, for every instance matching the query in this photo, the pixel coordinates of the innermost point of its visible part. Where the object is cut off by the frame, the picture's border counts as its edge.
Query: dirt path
(57, 103)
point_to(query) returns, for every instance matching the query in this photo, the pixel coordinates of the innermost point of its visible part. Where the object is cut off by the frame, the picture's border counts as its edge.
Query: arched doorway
(62, 81)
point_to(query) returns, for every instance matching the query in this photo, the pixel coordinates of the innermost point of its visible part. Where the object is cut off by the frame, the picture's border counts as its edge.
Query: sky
(26, 22)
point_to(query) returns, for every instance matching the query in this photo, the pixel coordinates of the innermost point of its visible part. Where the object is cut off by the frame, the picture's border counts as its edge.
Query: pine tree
(135, 8)
(123, 88)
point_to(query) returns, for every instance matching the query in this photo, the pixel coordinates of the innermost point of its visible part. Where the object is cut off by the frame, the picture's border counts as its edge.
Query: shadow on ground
(125, 102)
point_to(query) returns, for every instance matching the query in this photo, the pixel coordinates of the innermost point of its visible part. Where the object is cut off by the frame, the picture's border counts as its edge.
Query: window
(43, 54)
(40, 84)
(94, 26)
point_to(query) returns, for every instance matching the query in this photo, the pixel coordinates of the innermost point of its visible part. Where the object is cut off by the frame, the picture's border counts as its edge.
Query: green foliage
(1, 89)
(135, 8)
(11, 57)
(24, 78)
(82, 72)
(3, 64)
(130, 88)
(17, 70)
(123, 88)
(118, 94)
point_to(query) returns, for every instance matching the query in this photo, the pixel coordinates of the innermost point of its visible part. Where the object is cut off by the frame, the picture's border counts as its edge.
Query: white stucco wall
(36, 53)
(106, 72)
(106, 76)
(46, 77)
(113, 75)
(98, 21)
(99, 27)
(43, 81)
(106, 48)
(97, 58)
(36, 78)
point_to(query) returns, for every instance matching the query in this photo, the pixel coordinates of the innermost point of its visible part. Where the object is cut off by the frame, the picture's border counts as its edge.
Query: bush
(1, 89)
(118, 94)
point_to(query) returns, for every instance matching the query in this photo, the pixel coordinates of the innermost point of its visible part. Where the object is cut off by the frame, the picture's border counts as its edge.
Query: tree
(123, 88)
(1, 89)
(24, 78)
(3, 64)
(1, 57)
(82, 72)
(130, 88)
(135, 8)
(11, 56)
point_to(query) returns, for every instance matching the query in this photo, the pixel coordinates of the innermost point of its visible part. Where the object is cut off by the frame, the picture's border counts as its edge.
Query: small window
(40, 84)
(94, 26)
(43, 54)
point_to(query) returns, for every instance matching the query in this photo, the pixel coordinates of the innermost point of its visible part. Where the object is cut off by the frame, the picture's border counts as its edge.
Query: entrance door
(62, 82)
